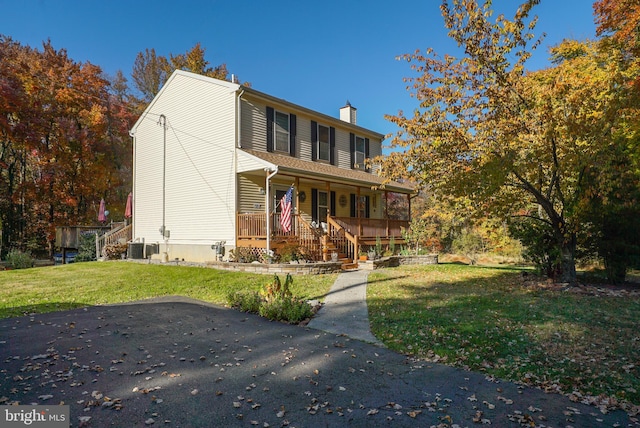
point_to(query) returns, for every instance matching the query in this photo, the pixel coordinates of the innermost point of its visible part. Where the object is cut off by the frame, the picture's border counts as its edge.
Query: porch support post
(386, 212)
(268, 206)
(295, 217)
(327, 237)
(358, 211)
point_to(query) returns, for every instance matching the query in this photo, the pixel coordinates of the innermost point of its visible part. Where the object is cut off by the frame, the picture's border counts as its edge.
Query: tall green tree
(515, 142)
(151, 71)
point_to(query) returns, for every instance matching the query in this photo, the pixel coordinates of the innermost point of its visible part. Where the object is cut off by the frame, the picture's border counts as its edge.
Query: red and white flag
(285, 210)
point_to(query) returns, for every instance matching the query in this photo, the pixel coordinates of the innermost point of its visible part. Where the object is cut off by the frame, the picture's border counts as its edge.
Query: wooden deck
(346, 235)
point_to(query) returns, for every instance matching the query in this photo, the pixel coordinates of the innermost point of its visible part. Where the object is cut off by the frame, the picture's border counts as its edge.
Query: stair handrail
(350, 250)
(316, 248)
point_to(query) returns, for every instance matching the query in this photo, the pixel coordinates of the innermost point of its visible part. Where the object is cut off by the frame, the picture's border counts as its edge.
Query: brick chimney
(348, 113)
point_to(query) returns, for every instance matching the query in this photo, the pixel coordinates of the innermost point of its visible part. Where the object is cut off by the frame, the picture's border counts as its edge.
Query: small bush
(289, 309)
(274, 302)
(243, 255)
(115, 251)
(16, 259)
(87, 250)
(245, 301)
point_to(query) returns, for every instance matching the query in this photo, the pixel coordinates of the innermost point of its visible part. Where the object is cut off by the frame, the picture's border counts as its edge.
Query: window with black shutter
(281, 131)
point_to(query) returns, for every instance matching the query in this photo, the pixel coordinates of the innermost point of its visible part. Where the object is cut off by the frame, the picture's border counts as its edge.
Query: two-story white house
(212, 160)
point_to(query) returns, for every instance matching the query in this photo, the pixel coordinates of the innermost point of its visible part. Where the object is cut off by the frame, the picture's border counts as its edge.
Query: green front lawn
(74, 285)
(487, 319)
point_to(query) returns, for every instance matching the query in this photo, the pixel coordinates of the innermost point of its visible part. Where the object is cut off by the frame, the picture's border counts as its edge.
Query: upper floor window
(281, 125)
(281, 131)
(323, 142)
(359, 151)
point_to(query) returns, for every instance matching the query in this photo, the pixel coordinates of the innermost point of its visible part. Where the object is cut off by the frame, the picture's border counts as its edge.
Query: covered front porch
(333, 211)
(347, 236)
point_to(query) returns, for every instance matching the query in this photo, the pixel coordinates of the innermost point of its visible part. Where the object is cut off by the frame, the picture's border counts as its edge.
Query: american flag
(285, 211)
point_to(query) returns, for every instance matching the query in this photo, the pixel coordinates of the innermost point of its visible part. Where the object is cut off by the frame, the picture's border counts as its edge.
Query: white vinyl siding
(199, 185)
(250, 198)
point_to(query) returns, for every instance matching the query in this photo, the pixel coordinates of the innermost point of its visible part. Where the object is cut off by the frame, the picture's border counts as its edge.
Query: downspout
(132, 134)
(268, 207)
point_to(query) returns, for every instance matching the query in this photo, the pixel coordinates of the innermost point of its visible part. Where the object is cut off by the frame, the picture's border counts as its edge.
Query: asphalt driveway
(177, 362)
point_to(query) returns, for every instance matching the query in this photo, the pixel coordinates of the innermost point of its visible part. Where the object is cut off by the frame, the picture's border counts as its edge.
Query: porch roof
(299, 167)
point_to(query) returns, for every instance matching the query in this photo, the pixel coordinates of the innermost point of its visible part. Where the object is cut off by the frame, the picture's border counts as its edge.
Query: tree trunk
(568, 262)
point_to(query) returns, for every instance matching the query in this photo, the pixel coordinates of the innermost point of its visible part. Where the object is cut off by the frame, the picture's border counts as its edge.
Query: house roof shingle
(325, 171)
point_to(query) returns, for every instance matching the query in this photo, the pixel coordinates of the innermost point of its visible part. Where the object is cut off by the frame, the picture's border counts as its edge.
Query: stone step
(349, 266)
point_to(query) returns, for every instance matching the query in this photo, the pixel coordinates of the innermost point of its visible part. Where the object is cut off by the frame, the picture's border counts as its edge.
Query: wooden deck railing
(121, 233)
(253, 227)
(368, 228)
(346, 233)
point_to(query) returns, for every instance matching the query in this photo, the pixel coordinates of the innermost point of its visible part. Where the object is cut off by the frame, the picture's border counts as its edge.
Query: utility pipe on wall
(163, 121)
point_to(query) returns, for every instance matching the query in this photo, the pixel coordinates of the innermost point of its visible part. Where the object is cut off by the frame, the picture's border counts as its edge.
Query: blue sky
(318, 54)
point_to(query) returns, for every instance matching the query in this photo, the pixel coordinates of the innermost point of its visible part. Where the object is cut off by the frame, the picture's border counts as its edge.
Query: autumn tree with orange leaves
(64, 144)
(519, 144)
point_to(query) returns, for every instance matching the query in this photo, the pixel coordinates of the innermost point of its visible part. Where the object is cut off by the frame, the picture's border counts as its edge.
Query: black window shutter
(332, 145)
(314, 205)
(352, 148)
(366, 151)
(367, 211)
(270, 118)
(332, 209)
(292, 134)
(353, 208)
(314, 140)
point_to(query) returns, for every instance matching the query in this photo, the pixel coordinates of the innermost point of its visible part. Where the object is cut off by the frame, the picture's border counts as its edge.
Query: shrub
(246, 301)
(274, 302)
(242, 255)
(87, 250)
(17, 259)
(292, 252)
(469, 244)
(289, 309)
(115, 251)
(275, 290)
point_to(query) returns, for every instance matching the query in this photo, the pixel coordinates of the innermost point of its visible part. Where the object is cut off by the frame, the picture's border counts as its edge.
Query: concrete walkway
(345, 308)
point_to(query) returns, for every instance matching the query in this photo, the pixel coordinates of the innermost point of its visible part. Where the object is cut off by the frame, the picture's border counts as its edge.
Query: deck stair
(347, 263)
